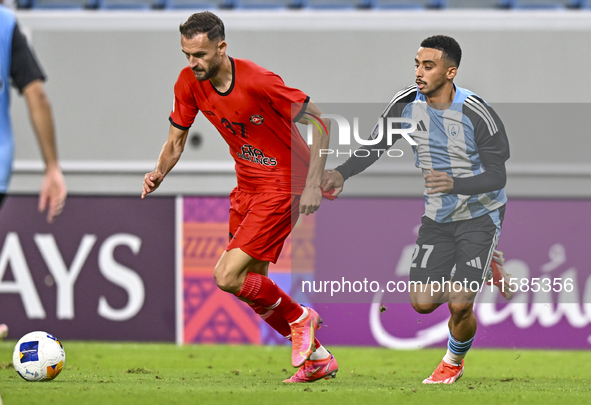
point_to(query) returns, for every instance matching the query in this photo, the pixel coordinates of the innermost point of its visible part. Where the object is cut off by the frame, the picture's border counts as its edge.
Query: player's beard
(214, 68)
(431, 88)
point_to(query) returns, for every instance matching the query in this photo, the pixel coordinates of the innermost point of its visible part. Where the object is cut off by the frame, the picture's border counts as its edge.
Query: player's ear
(451, 72)
(222, 47)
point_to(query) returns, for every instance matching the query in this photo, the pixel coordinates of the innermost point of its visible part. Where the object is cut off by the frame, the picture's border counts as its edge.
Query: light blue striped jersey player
(464, 140)
(451, 141)
(7, 22)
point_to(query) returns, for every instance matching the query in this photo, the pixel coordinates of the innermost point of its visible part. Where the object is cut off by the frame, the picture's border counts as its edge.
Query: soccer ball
(38, 356)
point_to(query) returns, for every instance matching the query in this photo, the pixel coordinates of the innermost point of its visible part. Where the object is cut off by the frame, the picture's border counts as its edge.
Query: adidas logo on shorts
(475, 263)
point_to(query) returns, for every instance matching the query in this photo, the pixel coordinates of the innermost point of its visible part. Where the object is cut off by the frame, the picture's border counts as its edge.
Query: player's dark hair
(203, 23)
(448, 46)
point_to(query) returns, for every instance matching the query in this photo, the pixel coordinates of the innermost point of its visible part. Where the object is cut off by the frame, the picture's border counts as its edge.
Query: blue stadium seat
(467, 4)
(130, 4)
(63, 4)
(23, 3)
(198, 4)
(336, 4)
(268, 4)
(538, 4)
(582, 4)
(407, 4)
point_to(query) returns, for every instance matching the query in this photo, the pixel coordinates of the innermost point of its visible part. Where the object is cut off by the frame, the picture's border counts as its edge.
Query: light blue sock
(456, 350)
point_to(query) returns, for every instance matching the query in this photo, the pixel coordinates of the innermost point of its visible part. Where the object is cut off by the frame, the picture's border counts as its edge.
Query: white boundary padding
(316, 20)
(124, 167)
(217, 167)
(180, 331)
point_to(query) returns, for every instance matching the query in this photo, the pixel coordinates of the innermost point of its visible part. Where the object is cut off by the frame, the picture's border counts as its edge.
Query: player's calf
(460, 312)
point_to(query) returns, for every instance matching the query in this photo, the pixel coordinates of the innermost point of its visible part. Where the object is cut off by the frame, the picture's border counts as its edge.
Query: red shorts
(260, 223)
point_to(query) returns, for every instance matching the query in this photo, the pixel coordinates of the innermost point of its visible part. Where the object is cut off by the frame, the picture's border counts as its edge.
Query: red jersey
(256, 117)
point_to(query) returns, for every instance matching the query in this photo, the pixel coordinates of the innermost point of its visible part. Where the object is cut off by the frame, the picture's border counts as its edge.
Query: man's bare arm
(312, 195)
(53, 189)
(169, 156)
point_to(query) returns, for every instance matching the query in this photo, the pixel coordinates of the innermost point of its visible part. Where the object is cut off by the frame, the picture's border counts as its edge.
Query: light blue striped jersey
(448, 141)
(7, 22)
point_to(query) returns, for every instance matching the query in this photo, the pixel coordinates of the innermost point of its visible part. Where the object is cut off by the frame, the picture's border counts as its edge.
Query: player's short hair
(203, 23)
(448, 46)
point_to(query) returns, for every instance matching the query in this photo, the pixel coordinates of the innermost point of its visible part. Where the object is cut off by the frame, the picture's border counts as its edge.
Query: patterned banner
(211, 315)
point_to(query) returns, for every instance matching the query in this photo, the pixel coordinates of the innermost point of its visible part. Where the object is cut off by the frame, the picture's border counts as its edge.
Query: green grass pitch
(133, 373)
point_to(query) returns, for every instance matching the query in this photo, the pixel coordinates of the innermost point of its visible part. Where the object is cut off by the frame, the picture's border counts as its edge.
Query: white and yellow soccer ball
(38, 356)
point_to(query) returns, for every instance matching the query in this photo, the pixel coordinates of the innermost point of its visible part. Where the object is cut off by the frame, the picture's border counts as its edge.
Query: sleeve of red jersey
(287, 101)
(184, 107)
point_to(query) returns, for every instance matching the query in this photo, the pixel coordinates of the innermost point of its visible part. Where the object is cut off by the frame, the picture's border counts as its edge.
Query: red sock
(263, 291)
(276, 321)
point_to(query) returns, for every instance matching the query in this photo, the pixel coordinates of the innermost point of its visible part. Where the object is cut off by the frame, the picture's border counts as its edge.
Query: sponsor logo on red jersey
(255, 155)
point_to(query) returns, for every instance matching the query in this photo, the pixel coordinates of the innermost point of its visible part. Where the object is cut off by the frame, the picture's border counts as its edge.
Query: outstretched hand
(151, 182)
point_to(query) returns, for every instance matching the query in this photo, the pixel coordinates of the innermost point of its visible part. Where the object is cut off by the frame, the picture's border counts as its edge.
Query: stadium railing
(306, 4)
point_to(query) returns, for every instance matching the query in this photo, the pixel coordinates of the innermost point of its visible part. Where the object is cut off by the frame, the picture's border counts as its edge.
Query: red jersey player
(278, 176)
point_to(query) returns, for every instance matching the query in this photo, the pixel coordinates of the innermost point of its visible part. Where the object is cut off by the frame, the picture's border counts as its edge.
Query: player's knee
(424, 307)
(226, 281)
